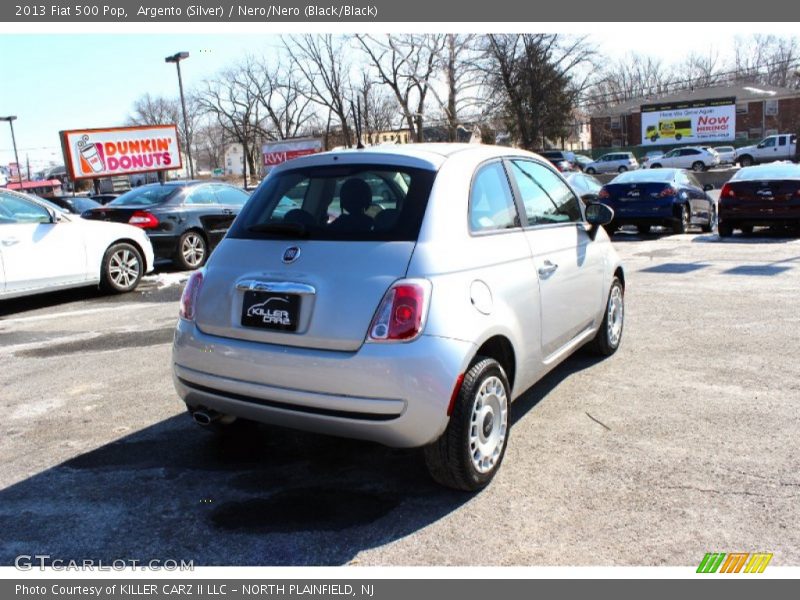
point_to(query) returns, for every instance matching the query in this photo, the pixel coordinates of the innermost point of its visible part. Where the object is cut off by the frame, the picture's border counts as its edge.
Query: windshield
(146, 195)
(773, 171)
(348, 202)
(646, 176)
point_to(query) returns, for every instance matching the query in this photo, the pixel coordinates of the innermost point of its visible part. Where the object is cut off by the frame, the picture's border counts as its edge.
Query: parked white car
(690, 157)
(613, 162)
(774, 147)
(727, 154)
(43, 249)
(409, 295)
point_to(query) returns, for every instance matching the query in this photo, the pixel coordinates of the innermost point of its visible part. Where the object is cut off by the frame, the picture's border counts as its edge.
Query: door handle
(10, 241)
(548, 268)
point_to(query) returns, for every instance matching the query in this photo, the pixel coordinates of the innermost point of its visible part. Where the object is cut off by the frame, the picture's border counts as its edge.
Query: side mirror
(708, 187)
(761, 145)
(598, 214)
(588, 198)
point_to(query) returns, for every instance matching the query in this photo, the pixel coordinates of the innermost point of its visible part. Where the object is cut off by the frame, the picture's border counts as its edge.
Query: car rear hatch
(312, 254)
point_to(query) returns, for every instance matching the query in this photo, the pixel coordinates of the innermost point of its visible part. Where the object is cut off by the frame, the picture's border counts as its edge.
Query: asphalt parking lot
(682, 443)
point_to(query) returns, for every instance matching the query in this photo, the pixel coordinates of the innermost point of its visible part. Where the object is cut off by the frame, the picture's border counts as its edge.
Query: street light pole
(177, 58)
(11, 120)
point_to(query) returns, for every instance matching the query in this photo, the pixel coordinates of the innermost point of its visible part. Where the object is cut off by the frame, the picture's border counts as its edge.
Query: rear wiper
(287, 229)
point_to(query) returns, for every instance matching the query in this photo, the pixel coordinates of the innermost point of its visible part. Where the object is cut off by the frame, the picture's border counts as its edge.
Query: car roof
(425, 155)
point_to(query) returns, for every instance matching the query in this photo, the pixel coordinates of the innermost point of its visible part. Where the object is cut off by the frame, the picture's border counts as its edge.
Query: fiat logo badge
(290, 254)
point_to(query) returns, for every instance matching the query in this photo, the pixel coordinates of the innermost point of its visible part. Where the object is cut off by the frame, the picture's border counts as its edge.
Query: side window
(782, 140)
(491, 204)
(230, 195)
(769, 142)
(547, 198)
(201, 195)
(17, 210)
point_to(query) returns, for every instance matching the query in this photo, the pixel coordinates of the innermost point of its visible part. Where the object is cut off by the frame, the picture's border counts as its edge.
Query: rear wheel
(643, 228)
(711, 220)
(590, 170)
(698, 166)
(746, 229)
(609, 336)
(724, 229)
(681, 225)
(655, 166)
(121, 269)
(192, 251)
(622, 169)
(469, 453)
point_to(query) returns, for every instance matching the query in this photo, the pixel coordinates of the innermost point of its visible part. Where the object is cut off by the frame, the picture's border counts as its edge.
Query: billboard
(93, 153)
(691, 122)
(276, 153)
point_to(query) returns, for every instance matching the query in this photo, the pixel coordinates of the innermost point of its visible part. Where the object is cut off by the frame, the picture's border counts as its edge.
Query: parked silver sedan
(405, 295)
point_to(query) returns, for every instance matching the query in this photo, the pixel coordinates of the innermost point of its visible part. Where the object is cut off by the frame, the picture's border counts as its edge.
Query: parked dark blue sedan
(669, 197)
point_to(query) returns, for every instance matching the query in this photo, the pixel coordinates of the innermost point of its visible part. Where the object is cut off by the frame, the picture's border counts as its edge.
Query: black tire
(698, 166)
(450, 458)
(653, 137)
(724, 230)
(747, 229)
(591, 171)
(607, 340)
(643, 229)
(622, 169)
(710, 226)
(655, 166)
(192, 251)
(746, 161)
(611, 228)
(678, 137)
(122, 268)
(682, 223)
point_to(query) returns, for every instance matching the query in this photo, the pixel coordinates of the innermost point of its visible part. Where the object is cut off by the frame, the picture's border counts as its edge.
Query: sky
(56, 82)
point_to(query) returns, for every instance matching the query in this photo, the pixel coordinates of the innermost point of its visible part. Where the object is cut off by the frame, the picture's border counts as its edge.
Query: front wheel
(192, 251)
(609, 336)
(622, 169)
(746, 161)
(121, 269)
(712, 217)
(656, 166)
(469, 453)
(590, 170)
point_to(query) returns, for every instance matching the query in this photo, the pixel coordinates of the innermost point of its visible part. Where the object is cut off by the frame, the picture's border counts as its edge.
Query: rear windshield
(773, 171)
(645, 176)
(347, 202)
(145, 196)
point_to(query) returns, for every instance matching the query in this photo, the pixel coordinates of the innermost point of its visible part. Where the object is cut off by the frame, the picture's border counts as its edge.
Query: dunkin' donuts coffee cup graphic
(91, 156)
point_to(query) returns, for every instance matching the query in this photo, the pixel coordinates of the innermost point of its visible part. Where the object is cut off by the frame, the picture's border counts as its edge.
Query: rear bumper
(774, 213)
(634, 213)
(394, 394)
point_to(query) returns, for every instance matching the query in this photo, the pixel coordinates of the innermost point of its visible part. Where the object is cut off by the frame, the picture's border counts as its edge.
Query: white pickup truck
(774, 147)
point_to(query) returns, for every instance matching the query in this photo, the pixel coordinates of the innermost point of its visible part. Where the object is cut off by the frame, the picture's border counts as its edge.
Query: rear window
(346, 202)
(645, 176)
(145, 196)
(773, 171)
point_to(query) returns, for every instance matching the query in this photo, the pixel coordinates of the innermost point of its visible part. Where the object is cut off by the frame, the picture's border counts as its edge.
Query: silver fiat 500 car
(405, 295)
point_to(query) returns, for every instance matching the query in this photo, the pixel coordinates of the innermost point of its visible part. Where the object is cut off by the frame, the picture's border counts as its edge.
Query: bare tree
(407, 65)
(767, 59)
(378, 109)
(634, 76)
(284, 102)
(233, 101)
(702, 70)
(322, 63)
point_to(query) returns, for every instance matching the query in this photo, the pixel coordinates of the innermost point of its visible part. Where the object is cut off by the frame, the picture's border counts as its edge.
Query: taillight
(727, 191)
(189, 296)
(143, 219)
(401, 314)
(604, 193)
(668, 191)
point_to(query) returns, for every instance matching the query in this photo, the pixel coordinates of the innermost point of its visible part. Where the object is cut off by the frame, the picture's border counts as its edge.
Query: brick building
(760, 111)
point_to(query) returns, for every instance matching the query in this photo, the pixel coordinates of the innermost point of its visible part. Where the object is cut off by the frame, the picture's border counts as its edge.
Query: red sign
(276, 153)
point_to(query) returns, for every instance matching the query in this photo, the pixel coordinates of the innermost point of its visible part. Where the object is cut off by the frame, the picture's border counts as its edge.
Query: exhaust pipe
(205, 417)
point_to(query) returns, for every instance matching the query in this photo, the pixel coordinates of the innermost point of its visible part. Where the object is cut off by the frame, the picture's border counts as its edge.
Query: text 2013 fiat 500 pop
(401, 295)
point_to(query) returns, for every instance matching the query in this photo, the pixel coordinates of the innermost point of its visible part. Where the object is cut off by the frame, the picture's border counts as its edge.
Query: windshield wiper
(287, 229)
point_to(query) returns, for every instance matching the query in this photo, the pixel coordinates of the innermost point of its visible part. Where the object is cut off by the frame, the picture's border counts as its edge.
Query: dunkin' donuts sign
(91, 153)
